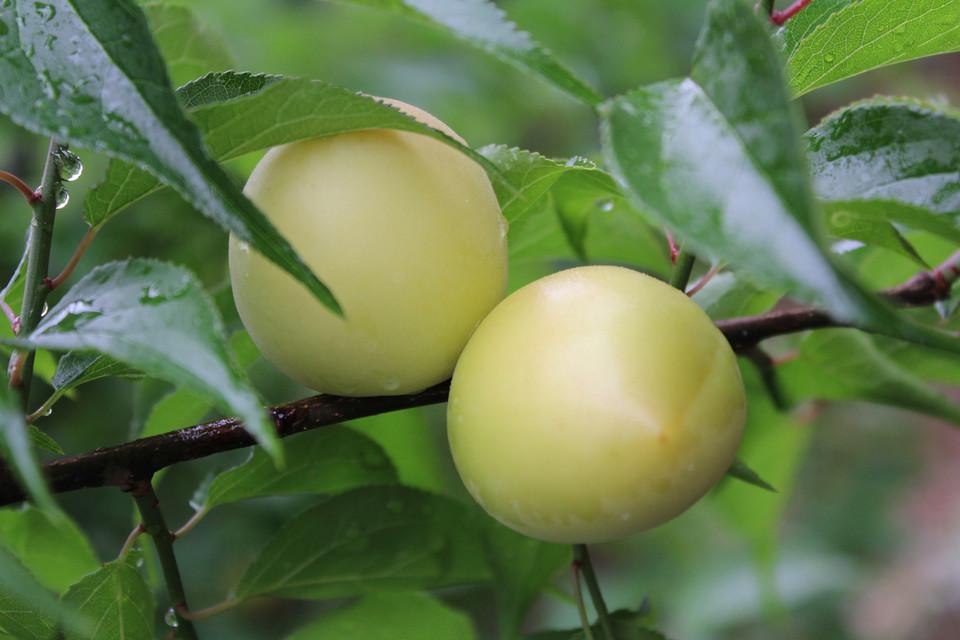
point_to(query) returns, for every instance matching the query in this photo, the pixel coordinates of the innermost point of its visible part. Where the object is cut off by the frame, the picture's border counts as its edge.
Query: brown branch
(125, 463)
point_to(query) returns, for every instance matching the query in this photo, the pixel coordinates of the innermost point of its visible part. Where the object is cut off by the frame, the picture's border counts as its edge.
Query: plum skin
(592, 404)
(407, 233)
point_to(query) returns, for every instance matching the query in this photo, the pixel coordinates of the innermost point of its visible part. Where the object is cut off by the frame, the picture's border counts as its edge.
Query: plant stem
(582, 557)
(682, 270)
(581, 606)
(156, 526)
(35, 289)
(29, 194)
(53, 283)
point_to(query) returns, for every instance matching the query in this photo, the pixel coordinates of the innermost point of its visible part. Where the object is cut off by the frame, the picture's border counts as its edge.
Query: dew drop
(170, 619)
(70, 166)
(63, 196)
(829, 57)
(45, 11)
(391, 384)
(46, 308)
(605, 205)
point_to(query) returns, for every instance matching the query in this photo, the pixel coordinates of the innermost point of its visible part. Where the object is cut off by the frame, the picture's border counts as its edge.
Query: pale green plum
(407, 233)
(592, 404)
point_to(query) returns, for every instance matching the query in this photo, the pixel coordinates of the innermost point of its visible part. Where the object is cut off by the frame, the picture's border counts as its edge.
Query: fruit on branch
(407, 233)
(592, 404)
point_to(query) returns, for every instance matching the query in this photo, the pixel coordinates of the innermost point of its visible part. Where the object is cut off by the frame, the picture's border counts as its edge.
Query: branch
(125, 463)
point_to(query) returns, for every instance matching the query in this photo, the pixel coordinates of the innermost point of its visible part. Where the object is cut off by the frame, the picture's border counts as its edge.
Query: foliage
(365, 518)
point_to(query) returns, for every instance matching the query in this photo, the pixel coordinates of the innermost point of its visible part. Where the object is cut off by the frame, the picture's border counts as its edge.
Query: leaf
(44, 441)
(841, 364)
(402, 615)
(746, 202)
(889, 149)
(369, 539)
(485, 26)
(117, 600)
(241, 112)
(27, 610)
(872, 231)
(744, 473)
(188, 47)
(898, 213)
(330, 460)
(56, 552)
(730, 295)
(16, 449)
(843, 39)
(522, 567)
(157, 318)
(90, 73)
(183, 406)
(529, 176)
(627, 625)
(75, 369)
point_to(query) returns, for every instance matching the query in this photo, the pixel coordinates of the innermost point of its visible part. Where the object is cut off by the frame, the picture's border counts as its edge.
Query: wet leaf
(189, 48)
(117, 600)
(835, 39)
(242, 112)
(89, 73)
(157, 318)
(484, 25)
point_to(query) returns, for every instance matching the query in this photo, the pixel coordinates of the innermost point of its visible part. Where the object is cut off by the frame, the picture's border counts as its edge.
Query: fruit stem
(582, 557)
(581, 605)
(682, 270)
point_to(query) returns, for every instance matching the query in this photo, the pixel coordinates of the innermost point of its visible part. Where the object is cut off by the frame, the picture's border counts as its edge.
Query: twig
(29, 194)
(131, 539)
(702, 282)
(780, 18)
(682, 269)
(53, 283)
(581, 606)
(582, 557)
(156, 526)
(188, 526)
(38, 263)
(208, 612)
(116, 466)
(7, 311)
(766, 366)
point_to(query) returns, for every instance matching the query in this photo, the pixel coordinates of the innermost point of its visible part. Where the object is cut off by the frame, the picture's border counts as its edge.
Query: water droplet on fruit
(391, 384)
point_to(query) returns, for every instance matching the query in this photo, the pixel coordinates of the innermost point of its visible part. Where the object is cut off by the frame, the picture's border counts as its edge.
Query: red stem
(21, 186)
(53, 283)
(780, 17)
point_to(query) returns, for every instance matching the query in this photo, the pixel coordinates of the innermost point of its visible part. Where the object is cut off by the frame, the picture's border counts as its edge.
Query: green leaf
(842, 39)
(56, 552)
(744, 473)
(905, 215)
(75, 369)
(843, 364)
(522, 567)
(402, 615)
(730, 295)
(529, 176)
(241, 112)
(873, 231)
(89, 73)
(329, 460)
(889, 149)
(117, 600)
(16, 449)
(627, 625)
(369, 539)
(27, 610)
(485, 26)
(157, 318)
(189, 48)
(183, 406)
(746, 201)
(44, 441)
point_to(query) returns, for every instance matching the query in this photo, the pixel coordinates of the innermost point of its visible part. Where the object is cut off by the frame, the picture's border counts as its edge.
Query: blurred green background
(863, 539)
